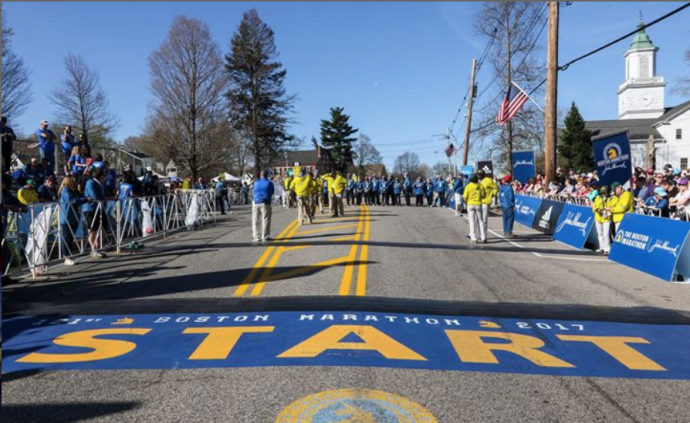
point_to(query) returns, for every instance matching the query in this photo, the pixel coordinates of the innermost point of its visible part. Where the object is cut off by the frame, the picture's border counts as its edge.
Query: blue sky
(399, 69)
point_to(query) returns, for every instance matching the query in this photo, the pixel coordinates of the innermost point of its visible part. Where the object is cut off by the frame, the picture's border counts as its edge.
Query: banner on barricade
(547, 216)
(523, 166)
(526, 209)
(653, 245)
(612, 154)
(487, 166)
(574, 226)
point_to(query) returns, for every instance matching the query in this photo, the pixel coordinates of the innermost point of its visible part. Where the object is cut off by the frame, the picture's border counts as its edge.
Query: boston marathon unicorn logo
(618, 237)
(613, 158)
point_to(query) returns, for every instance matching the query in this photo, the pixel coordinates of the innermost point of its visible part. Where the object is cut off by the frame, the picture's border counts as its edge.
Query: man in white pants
(473, 194)
(262, 209)
(490, 191)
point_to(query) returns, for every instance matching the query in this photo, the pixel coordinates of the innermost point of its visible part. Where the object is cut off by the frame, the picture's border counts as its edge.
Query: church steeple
(641, 96)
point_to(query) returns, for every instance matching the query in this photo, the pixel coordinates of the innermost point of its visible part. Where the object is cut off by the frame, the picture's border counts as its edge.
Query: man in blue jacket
(506, 197)
(440, 187)
(418, 188)
(262, 209)
(375, 187)
(458, 190)
(407, 189)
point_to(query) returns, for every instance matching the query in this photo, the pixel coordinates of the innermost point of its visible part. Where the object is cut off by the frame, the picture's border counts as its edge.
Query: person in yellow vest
(602, 218)
(288, 191)
(490, 191)
(316, 197)
(28, 194)
(473, 195)
(187, 183)
(302, 186)
(623, 204)
(338, 184)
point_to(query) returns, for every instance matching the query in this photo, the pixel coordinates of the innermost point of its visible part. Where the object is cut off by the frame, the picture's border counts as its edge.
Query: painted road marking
(262, 271)
(392, 340)
(355, 405)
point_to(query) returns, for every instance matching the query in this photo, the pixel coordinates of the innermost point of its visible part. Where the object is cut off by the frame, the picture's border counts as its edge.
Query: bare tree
(188, 121)
(406, 163)
(424, 171)
(682, 84)
(513, 31)
(16, 92)
(439, 168)
(365, 153)
(82, 103)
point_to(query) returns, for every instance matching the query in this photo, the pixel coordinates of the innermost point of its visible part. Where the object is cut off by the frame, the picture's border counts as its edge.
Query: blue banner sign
(574, 226)
(612, 155)
(467, 170)
(411, 341)
(653, 245)
(523, 166)
(526, 209)
(547, 216)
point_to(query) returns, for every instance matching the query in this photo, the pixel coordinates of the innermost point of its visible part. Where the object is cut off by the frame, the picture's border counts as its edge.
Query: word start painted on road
(569, 348)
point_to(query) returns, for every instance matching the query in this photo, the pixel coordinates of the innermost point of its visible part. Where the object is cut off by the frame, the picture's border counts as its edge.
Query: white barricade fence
(38, 233)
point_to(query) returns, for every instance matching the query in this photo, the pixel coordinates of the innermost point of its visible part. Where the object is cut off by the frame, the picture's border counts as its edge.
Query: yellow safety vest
(474, 194)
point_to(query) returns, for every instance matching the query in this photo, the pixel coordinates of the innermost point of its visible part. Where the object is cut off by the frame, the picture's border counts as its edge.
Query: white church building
(659, 135)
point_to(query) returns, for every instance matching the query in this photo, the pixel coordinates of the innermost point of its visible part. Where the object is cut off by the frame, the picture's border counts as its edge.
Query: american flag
(450, 150)
(512, 103)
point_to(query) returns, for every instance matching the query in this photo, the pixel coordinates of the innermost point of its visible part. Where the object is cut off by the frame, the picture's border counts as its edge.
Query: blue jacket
(69, 203)
(396, 188)
(384, 186)
(458, 186)
(350, 184)
(419, 188)
(46, 194)
(429, 188)
(507, 196)
(263, 191)
(94, 191)
(440, 186)
(407, 184)
(375, 185)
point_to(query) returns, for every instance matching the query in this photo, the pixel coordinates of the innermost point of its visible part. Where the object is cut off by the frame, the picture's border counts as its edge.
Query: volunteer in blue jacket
(418, 188)
(429, 192)
(70, 214)
(407, 189)
(458, 190)
(506, 196)
(96, 218)
(440, 187)
(262, 209)
(385, 187)
(376, 191)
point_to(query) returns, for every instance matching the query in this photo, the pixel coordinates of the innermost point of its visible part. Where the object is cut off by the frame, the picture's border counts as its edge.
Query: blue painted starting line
(481, 344)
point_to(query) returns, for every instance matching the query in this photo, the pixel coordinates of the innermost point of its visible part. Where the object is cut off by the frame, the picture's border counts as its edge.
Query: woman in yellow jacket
(27, 194)
(602, 218)
(473, 195)
(490, 191)
(624, 202)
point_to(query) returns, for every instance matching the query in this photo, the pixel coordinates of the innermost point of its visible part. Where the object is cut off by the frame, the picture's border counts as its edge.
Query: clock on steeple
(642, 94)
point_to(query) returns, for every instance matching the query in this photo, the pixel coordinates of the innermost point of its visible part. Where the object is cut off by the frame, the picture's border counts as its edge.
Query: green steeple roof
(641, 39)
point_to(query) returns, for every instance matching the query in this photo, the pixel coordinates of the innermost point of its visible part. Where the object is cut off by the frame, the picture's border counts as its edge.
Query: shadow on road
(63, 413)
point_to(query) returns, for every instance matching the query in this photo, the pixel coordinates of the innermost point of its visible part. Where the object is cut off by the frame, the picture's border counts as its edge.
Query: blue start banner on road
(612, 154)
(574, 225)
(479, 344)
(653, 245)
(526, 209)
(523, 166)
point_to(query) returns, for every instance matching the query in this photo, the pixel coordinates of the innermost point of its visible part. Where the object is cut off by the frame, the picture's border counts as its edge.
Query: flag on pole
(450, 150)
(512, 103)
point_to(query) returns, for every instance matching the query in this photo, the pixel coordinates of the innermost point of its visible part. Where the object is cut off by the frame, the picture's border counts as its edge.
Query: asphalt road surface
(388, 314)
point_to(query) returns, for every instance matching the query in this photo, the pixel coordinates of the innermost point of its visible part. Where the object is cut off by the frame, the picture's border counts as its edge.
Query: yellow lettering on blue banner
(618, 348)
(102, 348)
(471, 348)
(220, 341)
(373, 340)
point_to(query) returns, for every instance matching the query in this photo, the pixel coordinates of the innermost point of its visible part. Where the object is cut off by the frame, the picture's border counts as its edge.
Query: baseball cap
(650, 171)
(507, 179)
(660, 191)
(31, 182)
(604, 190)
(615, 185)
(51, 178)
(683, 181)
(44, 122)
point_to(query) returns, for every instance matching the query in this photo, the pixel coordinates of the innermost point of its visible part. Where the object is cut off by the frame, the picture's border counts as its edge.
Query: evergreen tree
(336, 135)
(259, 106)
(575, 143)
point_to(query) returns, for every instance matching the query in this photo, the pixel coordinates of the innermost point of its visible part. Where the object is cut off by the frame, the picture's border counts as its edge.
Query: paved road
(402, 262)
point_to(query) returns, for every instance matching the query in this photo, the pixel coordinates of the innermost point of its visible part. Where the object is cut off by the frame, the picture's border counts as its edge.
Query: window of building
(684, 163)
(679, 134)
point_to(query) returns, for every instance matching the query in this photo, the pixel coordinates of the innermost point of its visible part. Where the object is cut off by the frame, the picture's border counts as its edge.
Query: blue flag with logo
(523, 166)
(612, 155)
(652, 245)
(526, 209)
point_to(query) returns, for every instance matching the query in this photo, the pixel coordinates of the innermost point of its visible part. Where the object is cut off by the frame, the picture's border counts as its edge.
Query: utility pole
(550, 115)
(468, 127)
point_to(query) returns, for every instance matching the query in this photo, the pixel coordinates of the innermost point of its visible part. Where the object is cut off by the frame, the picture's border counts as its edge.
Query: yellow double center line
(275, 252)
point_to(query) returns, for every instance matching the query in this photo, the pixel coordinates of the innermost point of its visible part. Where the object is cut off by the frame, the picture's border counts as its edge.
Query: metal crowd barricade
(36, 235)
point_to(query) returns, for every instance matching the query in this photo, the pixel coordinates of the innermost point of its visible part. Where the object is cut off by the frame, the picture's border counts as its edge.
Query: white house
(659, 135)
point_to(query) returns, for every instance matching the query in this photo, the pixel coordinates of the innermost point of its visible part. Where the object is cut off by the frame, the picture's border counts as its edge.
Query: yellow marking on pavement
(332, 228)
(242, 289)
(361, 287)
(267, 271)
(301, 247)
(346, 281)
(303, 269)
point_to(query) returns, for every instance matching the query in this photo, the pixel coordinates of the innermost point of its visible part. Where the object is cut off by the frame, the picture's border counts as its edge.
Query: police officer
(506, 196)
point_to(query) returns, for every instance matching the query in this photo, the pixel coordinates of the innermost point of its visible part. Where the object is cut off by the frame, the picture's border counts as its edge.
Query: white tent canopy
(227, 178)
